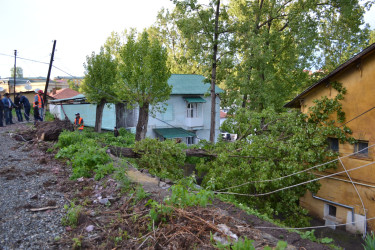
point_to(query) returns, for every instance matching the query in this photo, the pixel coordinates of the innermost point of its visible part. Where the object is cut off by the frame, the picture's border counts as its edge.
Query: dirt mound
(50, 131)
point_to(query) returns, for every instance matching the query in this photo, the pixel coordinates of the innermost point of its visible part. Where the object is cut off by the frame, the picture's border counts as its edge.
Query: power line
(292, 186)
(22, 58)
(305, 170)
(302, 228)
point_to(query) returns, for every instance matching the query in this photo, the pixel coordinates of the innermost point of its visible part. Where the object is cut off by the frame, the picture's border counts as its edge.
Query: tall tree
(143, 76)
(19, 72)
(181, 59)
(99, 82)
(278, 40)
(206, 28)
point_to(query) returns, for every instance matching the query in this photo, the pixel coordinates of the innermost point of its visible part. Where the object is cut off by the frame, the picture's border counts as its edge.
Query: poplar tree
(143, 76)
(99, 82)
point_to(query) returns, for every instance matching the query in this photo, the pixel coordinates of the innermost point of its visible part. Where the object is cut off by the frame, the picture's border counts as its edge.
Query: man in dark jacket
(18, 107)
(1, 112)
(26, 105)
(8, 105)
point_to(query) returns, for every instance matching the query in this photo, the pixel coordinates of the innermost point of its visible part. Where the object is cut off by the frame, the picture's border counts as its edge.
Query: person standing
(1, 113)
(8, 104)
(36, 113)
(39, 98)
(26, 105)
(18, 107)
(78, 123)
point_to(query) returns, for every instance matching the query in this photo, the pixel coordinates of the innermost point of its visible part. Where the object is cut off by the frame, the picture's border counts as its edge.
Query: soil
(113, 214)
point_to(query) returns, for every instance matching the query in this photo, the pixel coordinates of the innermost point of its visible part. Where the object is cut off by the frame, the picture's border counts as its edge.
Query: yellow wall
(359, 80)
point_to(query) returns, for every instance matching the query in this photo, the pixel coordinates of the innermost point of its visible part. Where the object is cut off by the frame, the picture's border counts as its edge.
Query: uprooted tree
(271, 145)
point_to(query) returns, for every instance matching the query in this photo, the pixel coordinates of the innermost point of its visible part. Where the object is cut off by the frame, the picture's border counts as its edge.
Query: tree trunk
(120, 115)
(129, 153)
(99, 116)
(213, 75)
(142, 122)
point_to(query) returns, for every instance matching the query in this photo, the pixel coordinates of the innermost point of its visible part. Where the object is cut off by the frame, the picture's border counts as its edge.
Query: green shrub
(72, 215)
(369, 242)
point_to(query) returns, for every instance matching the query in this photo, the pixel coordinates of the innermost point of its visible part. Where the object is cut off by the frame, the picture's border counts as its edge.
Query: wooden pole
(49, 74)
(15, 73)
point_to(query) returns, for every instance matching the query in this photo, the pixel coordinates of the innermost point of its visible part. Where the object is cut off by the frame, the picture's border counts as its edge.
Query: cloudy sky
(78, 26)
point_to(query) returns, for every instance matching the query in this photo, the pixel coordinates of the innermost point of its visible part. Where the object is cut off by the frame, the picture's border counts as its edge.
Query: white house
(187, 112)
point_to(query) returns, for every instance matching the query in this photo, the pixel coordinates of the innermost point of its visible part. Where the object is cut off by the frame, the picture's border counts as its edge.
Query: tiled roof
(64, 93)
(185, 84)
(223, 114)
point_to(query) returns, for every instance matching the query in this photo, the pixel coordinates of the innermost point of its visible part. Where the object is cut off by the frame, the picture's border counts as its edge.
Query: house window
(332, 210)
(189, 140)
(333, 144)
(192, 110)
(361, 148)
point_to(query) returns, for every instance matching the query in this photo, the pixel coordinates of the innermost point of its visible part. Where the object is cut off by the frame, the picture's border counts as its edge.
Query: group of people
(20, 101)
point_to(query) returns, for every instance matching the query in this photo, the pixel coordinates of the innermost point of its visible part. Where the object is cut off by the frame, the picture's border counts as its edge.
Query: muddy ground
(114, 214)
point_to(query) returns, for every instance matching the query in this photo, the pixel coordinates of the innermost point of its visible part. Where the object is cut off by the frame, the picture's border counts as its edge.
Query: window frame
(359, 147)
(192, 110)
(332, 143)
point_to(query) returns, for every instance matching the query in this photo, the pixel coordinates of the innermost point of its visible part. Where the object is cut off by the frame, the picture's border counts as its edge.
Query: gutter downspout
(337, 204)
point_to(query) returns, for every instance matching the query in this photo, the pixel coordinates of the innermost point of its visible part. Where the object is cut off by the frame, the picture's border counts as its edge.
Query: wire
(302, 228)
(292, 186)
(305, 170)
(357, 116)
(22, 58)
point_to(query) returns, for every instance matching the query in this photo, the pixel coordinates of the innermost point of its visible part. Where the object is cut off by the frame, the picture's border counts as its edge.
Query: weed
(309, 235)
(72, 214)
(124, 181)
(158, 212)
(241, 244)
(77, 243)
(103, 170)
(281, 245)
(140, 194)
(369, 242)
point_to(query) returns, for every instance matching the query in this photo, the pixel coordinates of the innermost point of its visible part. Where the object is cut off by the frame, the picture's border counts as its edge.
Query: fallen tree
(130, 153)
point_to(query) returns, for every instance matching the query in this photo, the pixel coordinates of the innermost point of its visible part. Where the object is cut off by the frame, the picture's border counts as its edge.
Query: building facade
(347, 198)
(186, 115)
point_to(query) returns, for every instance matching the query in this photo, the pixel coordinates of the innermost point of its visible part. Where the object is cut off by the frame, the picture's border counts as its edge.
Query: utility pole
(49, 74)
(15, 72)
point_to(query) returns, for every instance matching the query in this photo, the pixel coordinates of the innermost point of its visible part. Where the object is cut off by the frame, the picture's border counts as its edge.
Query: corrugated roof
(295, 102)
(194, 99)
(185, 84)
(169, 133)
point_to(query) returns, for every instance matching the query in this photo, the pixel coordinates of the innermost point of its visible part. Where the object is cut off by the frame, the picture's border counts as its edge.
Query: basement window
(333, 144)
(361, 149)
(332, 210)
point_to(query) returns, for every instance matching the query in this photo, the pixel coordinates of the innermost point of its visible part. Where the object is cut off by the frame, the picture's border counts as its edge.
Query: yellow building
(344, 199)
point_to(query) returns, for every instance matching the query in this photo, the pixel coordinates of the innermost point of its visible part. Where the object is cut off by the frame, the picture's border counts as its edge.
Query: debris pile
(50, 131)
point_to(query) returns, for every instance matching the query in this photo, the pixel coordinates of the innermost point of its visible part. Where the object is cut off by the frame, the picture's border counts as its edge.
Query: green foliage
(369, 242)
(140, 194)
(100, 77)
(272, 145)
(72, 215)
(185, 194)
(103, 170)
(241, 244)
(158, 211)
(84, 154)
(309, 235)
(163, 159)
(123, 180)
(142, 76)
(281, 245)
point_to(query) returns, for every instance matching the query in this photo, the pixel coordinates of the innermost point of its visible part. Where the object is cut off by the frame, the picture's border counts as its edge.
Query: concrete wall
(359, 81)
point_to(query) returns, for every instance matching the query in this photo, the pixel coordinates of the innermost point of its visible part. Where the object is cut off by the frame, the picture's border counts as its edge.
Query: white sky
(78, 26)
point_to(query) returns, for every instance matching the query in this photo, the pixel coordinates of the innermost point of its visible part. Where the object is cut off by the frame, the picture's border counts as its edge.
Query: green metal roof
(184, 84)
(168, 133)
(194, 99)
